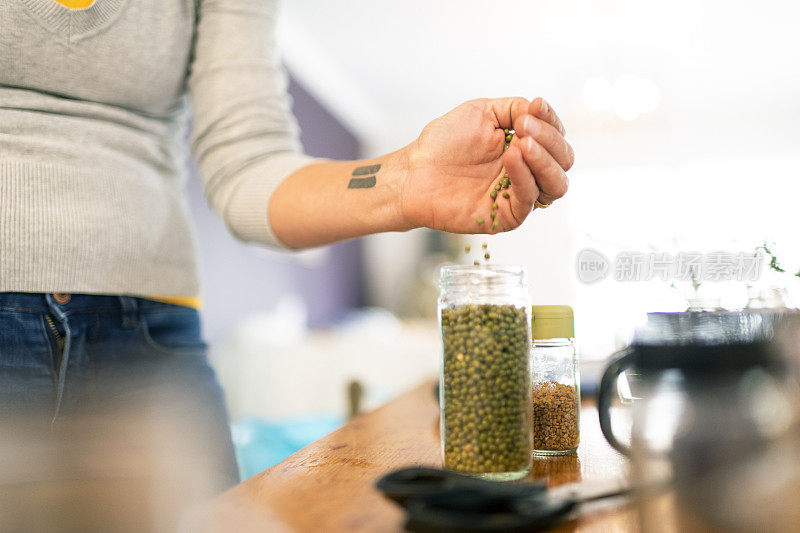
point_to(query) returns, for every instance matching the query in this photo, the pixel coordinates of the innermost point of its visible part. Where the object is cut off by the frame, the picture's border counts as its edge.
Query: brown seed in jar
(555, 416)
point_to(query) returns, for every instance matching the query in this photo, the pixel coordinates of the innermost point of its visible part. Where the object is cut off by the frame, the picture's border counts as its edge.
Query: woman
(97, 258)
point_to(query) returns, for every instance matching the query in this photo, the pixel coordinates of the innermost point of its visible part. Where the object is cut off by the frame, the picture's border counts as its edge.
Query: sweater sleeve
(244, 136)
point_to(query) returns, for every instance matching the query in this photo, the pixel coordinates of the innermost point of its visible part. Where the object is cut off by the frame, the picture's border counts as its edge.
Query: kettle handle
(618, 363)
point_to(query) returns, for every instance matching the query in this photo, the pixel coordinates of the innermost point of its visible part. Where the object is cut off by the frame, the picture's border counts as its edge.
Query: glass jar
(555, 381)
(485, 390)
(715, 415)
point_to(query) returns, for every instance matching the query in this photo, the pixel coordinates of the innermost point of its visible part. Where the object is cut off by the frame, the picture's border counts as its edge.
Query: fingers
(524, 189)
(548, 174)
(548, 137)
(506, 110)
(541, 109)
(538, 162)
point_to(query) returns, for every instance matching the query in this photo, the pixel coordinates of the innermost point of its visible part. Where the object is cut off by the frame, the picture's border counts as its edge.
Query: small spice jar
(485, 386)
(555, 381)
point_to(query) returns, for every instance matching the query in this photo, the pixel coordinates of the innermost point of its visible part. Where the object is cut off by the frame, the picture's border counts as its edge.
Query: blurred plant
(778, 292)
(773, 259)
(694, 281)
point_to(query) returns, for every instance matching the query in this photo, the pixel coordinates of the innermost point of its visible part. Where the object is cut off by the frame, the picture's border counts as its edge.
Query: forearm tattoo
(366, 182)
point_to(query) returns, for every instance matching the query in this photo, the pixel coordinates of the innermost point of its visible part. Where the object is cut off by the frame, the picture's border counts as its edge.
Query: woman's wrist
(330, 201)
(399, 164)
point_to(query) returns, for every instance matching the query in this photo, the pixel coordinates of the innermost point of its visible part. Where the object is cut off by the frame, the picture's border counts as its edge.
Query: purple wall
(238, 281)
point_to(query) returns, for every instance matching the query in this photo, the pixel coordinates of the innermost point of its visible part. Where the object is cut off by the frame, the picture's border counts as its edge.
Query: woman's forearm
(448, 179)
(331, 201)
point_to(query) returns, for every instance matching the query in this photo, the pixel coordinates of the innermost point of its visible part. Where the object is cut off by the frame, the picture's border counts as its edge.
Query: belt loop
(130, 314)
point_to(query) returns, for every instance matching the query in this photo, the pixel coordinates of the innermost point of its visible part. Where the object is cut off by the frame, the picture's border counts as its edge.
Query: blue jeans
(66, 357)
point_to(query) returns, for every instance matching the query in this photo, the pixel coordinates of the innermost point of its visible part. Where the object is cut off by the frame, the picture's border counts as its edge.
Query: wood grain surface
(329, 485)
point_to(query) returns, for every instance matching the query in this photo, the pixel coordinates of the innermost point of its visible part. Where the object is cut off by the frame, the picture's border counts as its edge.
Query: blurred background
(684, 118)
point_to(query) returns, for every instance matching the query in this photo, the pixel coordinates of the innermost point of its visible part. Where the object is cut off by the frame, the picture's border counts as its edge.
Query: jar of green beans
(485, 387)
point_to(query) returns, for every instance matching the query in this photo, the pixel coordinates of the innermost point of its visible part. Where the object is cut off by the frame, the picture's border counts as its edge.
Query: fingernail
(531, 125)
(544, 106)
(527, 124)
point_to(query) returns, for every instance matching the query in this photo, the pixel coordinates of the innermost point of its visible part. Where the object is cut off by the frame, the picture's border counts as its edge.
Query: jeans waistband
(80, 303)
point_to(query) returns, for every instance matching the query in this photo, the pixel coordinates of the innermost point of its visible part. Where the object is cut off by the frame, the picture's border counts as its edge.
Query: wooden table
(329, 485)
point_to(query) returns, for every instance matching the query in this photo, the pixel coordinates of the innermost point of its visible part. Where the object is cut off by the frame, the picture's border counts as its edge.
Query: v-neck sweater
(94, 106)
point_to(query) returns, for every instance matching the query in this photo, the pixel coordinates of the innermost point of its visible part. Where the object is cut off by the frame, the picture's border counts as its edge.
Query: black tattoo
(364, 183)
(369, 169)
(361, 183)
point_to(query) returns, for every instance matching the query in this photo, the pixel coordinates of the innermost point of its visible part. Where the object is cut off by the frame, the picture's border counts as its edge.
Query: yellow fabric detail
(187, 301)
(76, 4)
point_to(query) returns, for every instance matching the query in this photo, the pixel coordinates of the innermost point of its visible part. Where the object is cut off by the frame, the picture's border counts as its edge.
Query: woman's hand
(458, 159)
(443, 180)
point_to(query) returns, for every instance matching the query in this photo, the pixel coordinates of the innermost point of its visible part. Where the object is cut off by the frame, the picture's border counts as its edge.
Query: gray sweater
(93, 108)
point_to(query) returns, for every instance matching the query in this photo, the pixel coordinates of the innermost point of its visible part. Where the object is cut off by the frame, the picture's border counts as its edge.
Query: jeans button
(61, 298)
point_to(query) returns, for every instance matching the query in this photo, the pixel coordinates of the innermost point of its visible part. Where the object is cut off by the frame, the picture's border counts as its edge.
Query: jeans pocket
(24, 342)
(27, 375)
(171, 329)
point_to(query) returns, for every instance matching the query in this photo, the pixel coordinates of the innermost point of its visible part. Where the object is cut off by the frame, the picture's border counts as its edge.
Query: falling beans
(505, 183)
(484, 247)
(498, 188)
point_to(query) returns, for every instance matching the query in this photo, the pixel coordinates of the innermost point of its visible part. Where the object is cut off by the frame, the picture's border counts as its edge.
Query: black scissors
(442, 501)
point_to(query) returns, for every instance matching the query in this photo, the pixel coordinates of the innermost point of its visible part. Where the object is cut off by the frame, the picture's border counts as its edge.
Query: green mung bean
(485, 389)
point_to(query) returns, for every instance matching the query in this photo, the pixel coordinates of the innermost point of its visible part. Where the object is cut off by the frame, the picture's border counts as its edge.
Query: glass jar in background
(485, 389)
(555, 381)
(716, 420)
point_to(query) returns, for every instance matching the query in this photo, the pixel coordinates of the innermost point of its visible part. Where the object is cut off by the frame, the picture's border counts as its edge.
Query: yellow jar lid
(552, 322)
